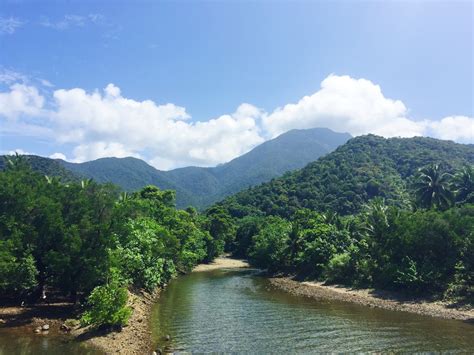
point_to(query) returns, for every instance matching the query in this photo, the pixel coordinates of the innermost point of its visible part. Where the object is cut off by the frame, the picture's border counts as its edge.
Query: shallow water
(18, 341)
(239, 311)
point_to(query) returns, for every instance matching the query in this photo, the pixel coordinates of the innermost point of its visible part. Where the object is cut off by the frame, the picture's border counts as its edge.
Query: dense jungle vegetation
(386, 213)
(344, 180)
(85, 240)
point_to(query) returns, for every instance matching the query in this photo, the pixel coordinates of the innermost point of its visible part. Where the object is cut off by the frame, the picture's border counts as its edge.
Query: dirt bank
(374, 298)
(135, 338)
(223, 262)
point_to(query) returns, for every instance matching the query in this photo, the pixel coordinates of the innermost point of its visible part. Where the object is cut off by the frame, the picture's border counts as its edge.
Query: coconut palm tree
(432, 187)
(463, 184)
(86, 183)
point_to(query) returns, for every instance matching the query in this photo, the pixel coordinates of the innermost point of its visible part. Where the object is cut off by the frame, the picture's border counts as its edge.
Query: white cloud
(20, 100)
(117, 122)
(58, 156)
(8, 25)
(19, 151)
(457, 128)
(105, 123)
(345, 104)
(96, 150)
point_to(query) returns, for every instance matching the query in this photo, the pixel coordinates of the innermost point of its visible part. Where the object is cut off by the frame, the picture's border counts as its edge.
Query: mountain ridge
(203, 186)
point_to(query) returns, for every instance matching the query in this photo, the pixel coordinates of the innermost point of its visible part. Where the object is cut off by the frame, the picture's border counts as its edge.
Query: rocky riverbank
(374, 298)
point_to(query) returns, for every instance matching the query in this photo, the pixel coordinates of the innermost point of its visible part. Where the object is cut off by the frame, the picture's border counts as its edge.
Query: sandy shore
(373, 298)
(223, 262)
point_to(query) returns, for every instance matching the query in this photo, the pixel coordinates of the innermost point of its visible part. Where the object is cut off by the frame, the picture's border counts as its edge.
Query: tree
(432, 188)
(222, 230)
(270, 246)
(463, 185)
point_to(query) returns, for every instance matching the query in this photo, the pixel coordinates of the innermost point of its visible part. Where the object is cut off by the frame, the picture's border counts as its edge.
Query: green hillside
(201, 187)
(342, 181)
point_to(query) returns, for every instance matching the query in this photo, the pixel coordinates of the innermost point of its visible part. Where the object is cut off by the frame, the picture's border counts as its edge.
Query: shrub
(107, 306)
(338, 269)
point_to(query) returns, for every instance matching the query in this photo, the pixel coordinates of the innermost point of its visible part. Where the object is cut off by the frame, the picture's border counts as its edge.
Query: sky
(180, 83)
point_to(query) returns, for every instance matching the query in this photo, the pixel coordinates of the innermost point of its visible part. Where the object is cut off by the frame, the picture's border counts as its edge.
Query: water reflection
(238, 311)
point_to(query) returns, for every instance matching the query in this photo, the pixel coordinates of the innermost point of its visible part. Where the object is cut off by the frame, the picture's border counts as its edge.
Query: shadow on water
(239, 311)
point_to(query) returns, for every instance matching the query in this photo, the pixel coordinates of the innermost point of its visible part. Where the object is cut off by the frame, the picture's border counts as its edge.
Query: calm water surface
(238, 311)
(20, 341)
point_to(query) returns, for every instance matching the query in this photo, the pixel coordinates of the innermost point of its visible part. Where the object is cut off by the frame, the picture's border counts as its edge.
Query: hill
(46, 166)
(201, 187)
(342, 181)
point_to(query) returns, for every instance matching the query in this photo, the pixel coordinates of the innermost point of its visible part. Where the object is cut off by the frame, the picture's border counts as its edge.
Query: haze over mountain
(199, 186)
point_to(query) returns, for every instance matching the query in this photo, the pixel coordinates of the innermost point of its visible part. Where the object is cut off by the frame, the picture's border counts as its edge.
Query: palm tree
(125, 196)
(376, 218)
(463, 184)
(16, 162)
(86, 183)
(432, 187)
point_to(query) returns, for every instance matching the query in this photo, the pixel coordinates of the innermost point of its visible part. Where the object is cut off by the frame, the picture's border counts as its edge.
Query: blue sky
(199, 83)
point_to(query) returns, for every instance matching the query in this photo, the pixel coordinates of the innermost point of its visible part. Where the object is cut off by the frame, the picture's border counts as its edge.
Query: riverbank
(373, 298)
(134, 338)
(223, 262)
(60, 320)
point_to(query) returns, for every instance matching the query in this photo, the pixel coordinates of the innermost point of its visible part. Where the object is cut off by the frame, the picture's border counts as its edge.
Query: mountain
(289, 151)
(200, 187)
(342, 181)
(46, 166)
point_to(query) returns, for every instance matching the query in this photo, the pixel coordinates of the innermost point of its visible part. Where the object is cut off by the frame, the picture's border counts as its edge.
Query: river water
(22, 341)
(239, 311)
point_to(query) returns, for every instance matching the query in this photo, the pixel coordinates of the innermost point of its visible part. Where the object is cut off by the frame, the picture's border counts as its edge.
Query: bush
(338, 269)
(107, 306)
(270, 247)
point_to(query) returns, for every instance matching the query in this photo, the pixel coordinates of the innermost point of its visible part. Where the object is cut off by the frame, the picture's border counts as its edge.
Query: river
(239, 311)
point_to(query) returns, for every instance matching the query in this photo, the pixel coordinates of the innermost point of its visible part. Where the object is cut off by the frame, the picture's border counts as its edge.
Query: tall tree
(432, 187)
(463, 185)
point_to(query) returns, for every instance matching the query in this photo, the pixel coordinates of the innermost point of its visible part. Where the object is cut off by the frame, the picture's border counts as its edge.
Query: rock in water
(45, 327)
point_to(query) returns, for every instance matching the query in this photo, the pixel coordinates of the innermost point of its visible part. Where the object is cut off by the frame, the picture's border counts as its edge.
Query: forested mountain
(342, 181)
(46, 166)
(200, 187)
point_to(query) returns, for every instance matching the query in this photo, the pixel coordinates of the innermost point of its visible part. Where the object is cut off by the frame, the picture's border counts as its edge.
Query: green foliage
(432, 188)
(338, 268)
(345, 180)
(463, 185)
(73, 237)
(270, 246)
(107, 306)
(200, 187)
(221, 227)
(144, 254)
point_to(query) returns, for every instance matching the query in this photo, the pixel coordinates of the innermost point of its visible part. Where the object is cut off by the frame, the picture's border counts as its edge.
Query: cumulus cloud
(345, 104)
(105, 123)
(8, 25)
(58, 156)
(457, 128)
(19, 151)
(21, 100)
